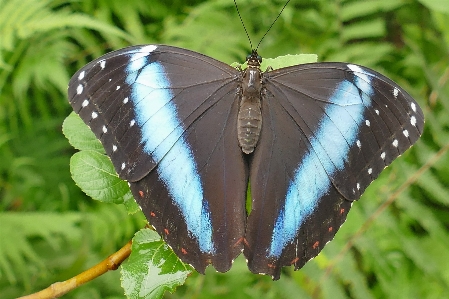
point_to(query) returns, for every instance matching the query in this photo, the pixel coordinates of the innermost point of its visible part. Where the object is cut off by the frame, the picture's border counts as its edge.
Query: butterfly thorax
(249, 121)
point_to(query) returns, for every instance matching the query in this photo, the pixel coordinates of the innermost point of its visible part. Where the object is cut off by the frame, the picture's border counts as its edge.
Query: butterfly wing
(166, 117)
(328, 130)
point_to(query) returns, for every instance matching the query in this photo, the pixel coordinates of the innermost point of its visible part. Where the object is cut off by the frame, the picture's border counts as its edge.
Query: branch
(58, 289)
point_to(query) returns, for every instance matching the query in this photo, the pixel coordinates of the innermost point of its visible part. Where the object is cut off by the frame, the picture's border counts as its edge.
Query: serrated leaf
(288, 60)
(79, 134)
(130, 204)
(152, 267)
(95, 175)
(282, 61)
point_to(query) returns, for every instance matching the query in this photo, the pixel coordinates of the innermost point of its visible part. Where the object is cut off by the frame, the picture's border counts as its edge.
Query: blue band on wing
(162, 138)
(330, 145)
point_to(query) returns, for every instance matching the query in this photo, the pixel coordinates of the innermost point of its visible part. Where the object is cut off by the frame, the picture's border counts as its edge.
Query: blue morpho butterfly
(189, 133)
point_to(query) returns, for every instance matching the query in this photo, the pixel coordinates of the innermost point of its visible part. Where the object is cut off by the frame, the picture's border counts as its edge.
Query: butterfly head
(254, 59)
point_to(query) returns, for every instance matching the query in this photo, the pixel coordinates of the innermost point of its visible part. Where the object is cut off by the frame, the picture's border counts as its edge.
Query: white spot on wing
(114, 147)
(405, 133)
(123, 166)
(118, 87)
(382, 155)
(85, 103)
(125, 100)
(94, 115)
(79, 89)
(395, 143)
(370, 170)
(377, 111)
(132, 122)
(367, 122)
(105, 130)
(102, 64)
(363, 84)
(137, 63)
(148, 48)
(358, 186)
(413, 106)
(81, 75)
(395, 92)
(359, 144)
(413, 121)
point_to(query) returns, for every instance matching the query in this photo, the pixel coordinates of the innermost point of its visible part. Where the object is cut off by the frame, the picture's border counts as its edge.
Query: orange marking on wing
(241, 240)
(183, 251)
(316, 244)
(152, 214)
(342, 211)
(294, 261)
(166, 231)
(331, 228)
(141, 193)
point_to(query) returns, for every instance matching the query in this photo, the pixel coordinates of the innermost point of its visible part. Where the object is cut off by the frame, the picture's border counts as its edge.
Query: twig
(58, 289)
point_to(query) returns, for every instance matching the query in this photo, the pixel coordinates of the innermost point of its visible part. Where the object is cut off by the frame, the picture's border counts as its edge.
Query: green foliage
(150, 274)
(50, 231)
(92, 170)
(281, 61)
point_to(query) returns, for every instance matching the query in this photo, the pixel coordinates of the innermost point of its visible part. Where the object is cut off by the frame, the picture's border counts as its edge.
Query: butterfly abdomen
(249, 125)
(249, 121)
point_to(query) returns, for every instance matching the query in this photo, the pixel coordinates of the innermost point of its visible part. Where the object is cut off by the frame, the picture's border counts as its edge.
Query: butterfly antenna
(241, 20)
(271, 23)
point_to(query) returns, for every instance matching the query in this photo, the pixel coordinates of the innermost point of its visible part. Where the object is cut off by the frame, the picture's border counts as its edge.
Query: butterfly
(190, 134)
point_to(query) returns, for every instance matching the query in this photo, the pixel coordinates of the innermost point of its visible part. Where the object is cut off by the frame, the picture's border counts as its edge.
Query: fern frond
(16, 230)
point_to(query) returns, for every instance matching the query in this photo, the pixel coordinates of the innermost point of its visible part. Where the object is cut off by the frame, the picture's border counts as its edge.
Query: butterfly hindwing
(152, 107)
(295, 208)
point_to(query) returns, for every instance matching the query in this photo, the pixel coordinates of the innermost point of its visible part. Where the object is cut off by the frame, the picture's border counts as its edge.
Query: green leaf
(282, 61)
(152, 267)
(436, 5)
(80, 135)
(94, 173)
(288, 60)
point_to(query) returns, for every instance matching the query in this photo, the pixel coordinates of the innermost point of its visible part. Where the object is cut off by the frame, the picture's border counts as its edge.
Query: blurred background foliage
(50, 231)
